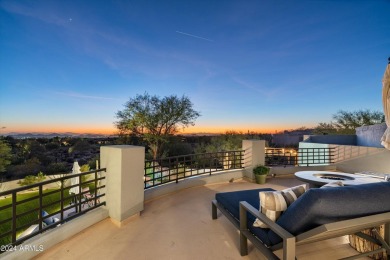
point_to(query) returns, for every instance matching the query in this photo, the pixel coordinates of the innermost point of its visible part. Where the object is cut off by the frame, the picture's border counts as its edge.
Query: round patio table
(317, 179)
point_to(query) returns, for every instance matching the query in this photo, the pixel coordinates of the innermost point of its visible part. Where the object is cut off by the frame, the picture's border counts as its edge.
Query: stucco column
(124, 180)
(387, 235)
(254, 155)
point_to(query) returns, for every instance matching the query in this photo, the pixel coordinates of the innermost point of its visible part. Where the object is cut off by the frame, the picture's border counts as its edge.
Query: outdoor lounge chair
(88, 198)
(47, 221)
(317, 215)
(31, 229)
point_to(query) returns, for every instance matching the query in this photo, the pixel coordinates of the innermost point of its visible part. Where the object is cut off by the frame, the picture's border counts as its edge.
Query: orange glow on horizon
(221, 130)
(113, 131)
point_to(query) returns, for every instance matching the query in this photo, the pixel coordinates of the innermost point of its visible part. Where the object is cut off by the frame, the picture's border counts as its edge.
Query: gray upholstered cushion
(321, 206)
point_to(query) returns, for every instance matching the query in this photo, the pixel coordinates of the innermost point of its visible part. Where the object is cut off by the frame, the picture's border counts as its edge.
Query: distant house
(290, 138)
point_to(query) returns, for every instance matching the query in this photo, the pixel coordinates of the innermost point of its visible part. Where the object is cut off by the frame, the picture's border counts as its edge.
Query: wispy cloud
(36, 12)
(122, 51)
(82, 96)
(191, 35)
(266, 92)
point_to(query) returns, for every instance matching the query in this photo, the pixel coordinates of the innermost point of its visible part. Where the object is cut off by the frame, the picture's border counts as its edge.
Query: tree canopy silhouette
(346, 122)
(5, 155)
(154, 119)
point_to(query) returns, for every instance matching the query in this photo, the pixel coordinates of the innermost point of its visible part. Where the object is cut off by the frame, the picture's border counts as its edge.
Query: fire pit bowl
(333, 177)
(316, 179)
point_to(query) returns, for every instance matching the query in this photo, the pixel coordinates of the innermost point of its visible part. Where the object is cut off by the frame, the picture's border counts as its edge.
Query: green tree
(227, 142)
(155, 119)
(57, 168)
(346, 122)
(52, 146)
(230, 140)
(177, 148)
(30, 167)
(93, 162)
(5, 156)
(35, 149)
(325, 128)
(80, 146)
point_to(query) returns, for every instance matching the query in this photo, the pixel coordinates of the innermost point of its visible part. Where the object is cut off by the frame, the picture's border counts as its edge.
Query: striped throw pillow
(273, 203)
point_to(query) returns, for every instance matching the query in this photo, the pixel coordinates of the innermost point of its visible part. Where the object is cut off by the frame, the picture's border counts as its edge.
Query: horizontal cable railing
(173, 169)
(38, 207)
(299, 157)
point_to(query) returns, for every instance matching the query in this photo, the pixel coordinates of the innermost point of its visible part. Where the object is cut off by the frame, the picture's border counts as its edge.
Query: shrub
(31, 167)
(261, 170)
(55, 168)
(84, 178)
(31, 179)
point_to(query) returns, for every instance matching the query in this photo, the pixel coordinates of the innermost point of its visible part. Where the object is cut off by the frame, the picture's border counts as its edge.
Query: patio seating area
(318, 214)
(179, 226)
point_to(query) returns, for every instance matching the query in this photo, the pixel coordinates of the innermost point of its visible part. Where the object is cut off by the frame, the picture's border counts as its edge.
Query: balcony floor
(179, 226)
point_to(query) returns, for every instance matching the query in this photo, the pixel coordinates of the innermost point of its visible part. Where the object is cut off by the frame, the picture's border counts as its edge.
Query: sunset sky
(245, 65)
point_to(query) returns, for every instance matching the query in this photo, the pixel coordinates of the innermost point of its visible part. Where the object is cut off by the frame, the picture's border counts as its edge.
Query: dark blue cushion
(321, 206)
(231, 202)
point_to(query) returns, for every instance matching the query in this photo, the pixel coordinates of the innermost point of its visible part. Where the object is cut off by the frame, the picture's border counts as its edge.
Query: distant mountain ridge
(52, 135)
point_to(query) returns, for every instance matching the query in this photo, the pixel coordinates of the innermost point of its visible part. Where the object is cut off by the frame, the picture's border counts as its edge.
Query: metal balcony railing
(299, 157)
(16, 217)
(173, 169)
(280, 156)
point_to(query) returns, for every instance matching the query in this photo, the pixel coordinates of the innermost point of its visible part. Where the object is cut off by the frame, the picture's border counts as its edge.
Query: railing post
(62, 199)
(146, 168)
(154, 170)
(94, 196)
(234, 160)
(14, 217)
(387, 235)
(40, 207)
(124, 180)
(177, 169)
(307, 157)
(254, 155)
(80, 195)
(211, 159)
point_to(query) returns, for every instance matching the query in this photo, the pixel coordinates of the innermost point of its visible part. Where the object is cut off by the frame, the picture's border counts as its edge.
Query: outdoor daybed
(318, 214)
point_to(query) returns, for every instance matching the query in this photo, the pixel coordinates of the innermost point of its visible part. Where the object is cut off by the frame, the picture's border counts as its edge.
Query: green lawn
(32, 217)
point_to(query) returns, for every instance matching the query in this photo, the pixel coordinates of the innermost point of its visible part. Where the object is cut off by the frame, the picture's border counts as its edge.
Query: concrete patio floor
(179, 226)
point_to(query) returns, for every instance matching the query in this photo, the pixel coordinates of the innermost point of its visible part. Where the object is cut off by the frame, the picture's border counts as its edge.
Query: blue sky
(246, 65)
